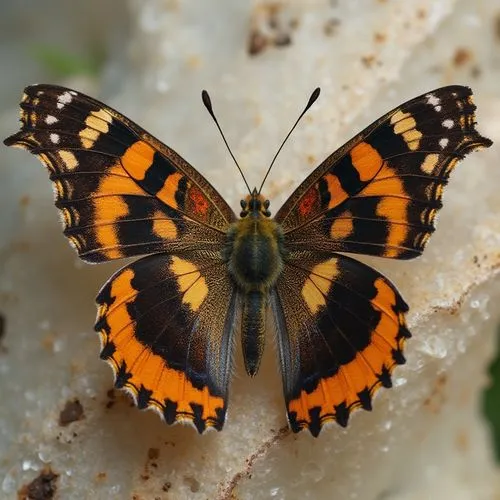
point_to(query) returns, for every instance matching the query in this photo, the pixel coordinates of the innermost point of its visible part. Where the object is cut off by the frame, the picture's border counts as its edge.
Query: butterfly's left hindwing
(341, 331)
(168, 335)
(120, 191)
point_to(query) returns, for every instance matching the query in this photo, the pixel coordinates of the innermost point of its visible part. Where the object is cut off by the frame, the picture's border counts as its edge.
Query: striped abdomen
(255, 259)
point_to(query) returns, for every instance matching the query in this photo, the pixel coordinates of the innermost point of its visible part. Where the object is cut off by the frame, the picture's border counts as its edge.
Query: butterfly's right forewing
(120, 191)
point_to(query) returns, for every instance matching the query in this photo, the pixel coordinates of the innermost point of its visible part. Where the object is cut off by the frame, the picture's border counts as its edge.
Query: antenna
(311, 101)
(208, 104)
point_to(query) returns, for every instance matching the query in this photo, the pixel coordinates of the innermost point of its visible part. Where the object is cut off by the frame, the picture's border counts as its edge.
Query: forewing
(379, 193)
(120, 191)
(166, 326)
(341, 330)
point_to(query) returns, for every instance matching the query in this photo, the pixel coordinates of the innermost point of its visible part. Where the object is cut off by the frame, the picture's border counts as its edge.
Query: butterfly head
(255, 205)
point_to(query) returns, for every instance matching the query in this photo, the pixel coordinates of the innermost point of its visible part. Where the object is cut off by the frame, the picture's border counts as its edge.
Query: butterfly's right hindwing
(341, 330)
(166, 324)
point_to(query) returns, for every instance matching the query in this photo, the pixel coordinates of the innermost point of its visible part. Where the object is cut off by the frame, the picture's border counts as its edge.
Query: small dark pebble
(72, 412)
(42, 487)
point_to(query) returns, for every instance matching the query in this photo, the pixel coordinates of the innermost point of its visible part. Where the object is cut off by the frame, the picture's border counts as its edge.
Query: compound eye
(266, 204)
(243, 204)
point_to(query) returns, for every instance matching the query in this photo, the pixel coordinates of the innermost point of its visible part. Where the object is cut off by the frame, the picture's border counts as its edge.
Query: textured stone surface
(425, 438)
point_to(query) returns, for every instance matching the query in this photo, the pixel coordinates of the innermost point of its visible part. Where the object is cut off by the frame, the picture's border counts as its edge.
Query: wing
(166, 328)
(341, 330)
(120, 191)
(379, 193)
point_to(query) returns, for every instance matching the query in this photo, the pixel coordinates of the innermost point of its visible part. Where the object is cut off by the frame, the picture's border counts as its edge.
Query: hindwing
(341, 330)
(121, 192)
(166, 326)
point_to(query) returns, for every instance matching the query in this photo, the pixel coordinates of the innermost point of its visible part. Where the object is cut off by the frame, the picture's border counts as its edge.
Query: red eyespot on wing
(309, 200)
(199, 201)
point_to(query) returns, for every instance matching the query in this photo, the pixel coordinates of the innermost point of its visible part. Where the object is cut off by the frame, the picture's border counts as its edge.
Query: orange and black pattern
(164, 335)
(121, 193)
(341, 329)
(379, 194)
(167, 321)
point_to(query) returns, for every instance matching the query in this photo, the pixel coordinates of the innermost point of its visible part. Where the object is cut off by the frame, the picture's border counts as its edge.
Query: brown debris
(111, 398)
(368, 61)
(257, 42)
(421, 13)
(331, 26)
(24, 201)
(268, 29)
(42, 487)
(435, 401)
(151, 464)
(194, 484)
(282, 40)
(72, 411)
(462, 56)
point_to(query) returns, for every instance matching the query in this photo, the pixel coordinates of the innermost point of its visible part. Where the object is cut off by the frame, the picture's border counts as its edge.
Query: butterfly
(167, 321)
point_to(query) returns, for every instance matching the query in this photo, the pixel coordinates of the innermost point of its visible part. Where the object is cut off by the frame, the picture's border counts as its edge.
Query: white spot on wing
(65, 98)
(55, 138)
(448, 123)
(443, 142)
(50, 120)
(433, 100)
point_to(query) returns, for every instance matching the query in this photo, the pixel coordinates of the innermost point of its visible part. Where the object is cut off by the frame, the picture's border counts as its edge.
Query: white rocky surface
(425, 438)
